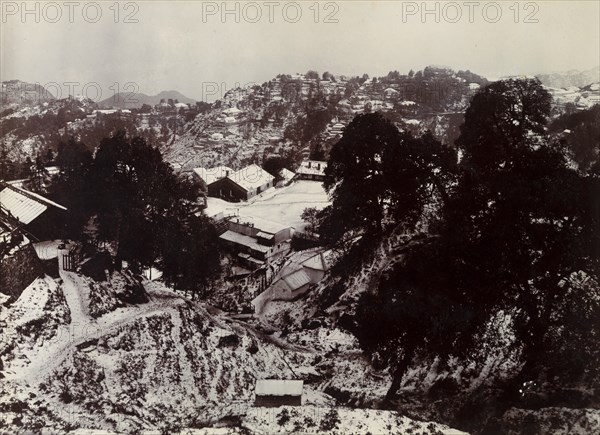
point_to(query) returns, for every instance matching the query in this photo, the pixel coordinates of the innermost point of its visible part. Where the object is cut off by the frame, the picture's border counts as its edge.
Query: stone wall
(19, 270)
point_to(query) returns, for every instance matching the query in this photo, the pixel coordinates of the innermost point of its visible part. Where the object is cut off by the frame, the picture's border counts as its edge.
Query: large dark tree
(527, 221)
(190, 258)
(135, 192)
(518, 232)
(354, 174)
(72, 185)
(377, 174)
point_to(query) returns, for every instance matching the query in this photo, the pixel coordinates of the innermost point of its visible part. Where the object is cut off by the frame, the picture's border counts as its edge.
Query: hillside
(136, 100)
(75, 357)
(571, 78)
(16, 93)
(294, 116)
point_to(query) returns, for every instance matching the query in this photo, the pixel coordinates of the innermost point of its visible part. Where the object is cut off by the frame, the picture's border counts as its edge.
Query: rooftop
(251, 177)
(23, 204)
(297, 279)
(210, 175)
(313, 167)
(241, 239)
(276, 387)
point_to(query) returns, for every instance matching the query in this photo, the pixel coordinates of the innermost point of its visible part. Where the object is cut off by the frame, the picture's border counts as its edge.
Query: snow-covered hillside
(75, 355)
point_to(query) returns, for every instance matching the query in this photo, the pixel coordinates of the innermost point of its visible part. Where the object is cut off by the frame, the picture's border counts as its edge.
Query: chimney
(309, 163)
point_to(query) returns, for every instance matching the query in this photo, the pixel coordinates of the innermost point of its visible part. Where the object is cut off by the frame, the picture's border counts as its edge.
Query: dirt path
(84, 329)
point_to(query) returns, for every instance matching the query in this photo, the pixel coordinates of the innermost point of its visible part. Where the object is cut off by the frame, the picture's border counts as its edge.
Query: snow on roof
(23, 204)
(264, 235)
(210, 175)
(297, 279)
(241, 239)
(286, 174)
(214, 206)
(313, 167)
(251, 177)
(276, 387)
(263, 225)
(317, 262)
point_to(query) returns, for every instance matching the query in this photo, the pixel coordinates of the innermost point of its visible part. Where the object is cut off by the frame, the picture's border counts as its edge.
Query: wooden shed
(278, 392)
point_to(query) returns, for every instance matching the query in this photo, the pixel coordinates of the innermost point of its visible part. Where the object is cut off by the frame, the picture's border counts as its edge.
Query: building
(210, 175)
(311, 170)
(301, 271)
(241, 185)
(256, 243)
(286, 177)
(275, 393)
(22, 208)
(24, 216)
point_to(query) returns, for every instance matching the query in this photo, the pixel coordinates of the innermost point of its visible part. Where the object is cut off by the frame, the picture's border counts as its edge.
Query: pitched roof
(276, 387)
(296, 279)
(286, 174)
(241, 239)
(210, 175)
(317, 262)
(23, 204)
(251, 177)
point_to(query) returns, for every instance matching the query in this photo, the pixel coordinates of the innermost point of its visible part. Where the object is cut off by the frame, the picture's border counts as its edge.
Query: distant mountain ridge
(570, 78)
(130, 100)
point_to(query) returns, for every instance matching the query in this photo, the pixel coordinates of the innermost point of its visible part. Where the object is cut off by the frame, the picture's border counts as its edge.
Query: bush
(283, 417)
(330, 421)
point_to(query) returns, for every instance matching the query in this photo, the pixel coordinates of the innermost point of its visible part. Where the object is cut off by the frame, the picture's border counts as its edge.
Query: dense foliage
(515, 229)
(129, 198)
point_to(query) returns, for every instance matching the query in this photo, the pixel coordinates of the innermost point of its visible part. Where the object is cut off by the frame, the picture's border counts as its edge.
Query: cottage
(241, 185)
(275, 393)
(20, 221)
(311, 170)
(210, 175)
(20, 208)
(256, 242)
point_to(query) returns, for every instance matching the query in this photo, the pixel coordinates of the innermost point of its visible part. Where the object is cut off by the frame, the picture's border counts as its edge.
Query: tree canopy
(516, 230)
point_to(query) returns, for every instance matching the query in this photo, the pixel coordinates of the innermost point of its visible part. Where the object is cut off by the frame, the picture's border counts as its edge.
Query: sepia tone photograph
(300, 217)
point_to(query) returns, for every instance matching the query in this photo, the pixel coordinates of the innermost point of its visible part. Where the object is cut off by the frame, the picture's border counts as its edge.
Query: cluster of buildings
(230, 116)
(582, 98)
(255, 243)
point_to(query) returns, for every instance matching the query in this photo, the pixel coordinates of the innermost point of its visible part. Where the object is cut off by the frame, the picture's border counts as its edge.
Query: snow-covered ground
(279, 206)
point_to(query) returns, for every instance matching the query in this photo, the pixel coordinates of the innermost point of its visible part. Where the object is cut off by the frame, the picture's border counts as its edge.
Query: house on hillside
(256, 243)
(275, 393)
(311, 170)
(24, 217)
(34, 214)
(241, 185)
(210, 175)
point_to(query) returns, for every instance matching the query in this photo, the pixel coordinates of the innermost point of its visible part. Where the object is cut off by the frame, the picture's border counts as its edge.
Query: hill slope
(130, 100)
(18, 93)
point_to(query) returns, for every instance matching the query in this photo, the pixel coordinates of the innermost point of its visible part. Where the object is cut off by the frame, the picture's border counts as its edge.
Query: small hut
(276, 392)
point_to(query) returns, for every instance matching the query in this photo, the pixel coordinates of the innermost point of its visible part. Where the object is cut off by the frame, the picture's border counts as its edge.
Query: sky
(204, 48)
